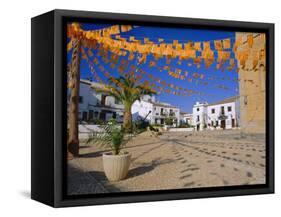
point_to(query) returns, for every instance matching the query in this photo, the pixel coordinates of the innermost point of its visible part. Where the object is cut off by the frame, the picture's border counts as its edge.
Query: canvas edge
(59, 199)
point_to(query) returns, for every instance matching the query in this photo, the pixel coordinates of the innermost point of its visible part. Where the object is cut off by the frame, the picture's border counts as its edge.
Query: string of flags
(168, 88)
(198, 78)
(74, 30)
(110, 46)
(134, 68)
(124, 65)
(156, 80)
(190, 50)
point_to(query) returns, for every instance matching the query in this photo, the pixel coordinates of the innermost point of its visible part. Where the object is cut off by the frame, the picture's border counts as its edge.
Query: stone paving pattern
(174, 161)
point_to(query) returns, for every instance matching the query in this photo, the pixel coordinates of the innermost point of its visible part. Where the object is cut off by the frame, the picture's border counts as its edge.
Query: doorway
(102, 115)
(232, 122)
(84, 116)
(103, 98)
(91, 115)
(223, 124)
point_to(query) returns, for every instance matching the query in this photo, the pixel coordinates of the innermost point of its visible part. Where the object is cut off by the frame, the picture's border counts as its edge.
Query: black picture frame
(48, 163)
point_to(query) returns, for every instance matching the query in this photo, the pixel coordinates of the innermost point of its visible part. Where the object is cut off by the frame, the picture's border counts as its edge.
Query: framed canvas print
(131, 108)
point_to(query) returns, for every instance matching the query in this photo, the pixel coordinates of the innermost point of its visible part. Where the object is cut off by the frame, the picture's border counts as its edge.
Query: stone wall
(252, 86)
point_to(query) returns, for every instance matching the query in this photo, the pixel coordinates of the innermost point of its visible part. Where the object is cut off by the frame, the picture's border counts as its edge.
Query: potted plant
(115, 163)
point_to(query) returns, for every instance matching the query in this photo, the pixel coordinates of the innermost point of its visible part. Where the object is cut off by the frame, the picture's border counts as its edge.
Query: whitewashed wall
(142, 108)
(202, 113)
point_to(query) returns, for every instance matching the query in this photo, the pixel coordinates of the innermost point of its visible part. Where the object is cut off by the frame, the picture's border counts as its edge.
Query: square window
(222, 110)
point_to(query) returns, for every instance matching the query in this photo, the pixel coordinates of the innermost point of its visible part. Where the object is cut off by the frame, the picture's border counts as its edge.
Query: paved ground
(176, 160)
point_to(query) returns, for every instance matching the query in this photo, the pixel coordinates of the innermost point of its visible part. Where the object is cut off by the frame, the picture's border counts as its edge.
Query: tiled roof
(227, 100)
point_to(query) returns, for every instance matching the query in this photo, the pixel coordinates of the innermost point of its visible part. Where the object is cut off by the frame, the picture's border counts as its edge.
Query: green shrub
(169, 121)
(112, 137)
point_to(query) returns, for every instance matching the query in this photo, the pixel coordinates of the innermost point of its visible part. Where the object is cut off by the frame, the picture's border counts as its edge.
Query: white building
(199, 114)
(155, 112)
(220, 115)
(186, 118)
(93, 106)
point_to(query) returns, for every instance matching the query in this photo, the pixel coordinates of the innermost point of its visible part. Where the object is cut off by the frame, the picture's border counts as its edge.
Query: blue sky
(183, 35)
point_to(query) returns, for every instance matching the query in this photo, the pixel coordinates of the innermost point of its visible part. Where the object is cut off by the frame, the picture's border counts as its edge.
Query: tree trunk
(127, 121)
(73, 141)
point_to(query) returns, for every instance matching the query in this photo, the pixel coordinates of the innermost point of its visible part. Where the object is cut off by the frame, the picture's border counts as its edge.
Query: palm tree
(127, 90)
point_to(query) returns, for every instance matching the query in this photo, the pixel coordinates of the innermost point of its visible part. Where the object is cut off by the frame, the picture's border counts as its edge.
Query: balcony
(161, 114)
(222, 116)
(172, 114)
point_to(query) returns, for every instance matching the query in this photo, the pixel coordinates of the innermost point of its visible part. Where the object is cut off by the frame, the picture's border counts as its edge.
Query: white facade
(93, 106)
(100, 107)
(155, 112)
(199, 113)
(186, 118)
(221, 115)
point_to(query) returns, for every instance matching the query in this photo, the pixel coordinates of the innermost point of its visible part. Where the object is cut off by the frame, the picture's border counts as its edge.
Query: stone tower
(252, 83)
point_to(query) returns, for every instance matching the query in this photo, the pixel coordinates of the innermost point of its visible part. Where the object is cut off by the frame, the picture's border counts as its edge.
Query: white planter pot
(116, 166)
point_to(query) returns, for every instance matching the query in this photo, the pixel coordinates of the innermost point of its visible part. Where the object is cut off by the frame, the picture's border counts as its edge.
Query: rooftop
(227, 100)
(160, 104)
(185, 113)
(85, 81)
(91, 83)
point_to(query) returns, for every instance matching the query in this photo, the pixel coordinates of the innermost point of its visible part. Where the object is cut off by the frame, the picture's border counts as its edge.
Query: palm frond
(112, 137)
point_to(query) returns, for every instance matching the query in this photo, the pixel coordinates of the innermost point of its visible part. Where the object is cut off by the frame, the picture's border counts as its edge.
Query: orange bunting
(126, 28)
(226, 43)
(131, 56)
(69, 45)
(90, 53)
(231, 64)
(237, 43)
(250, 40)
(197, 46)
(175, 42)
(262, 54)
(218, 45)
(206, 45)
